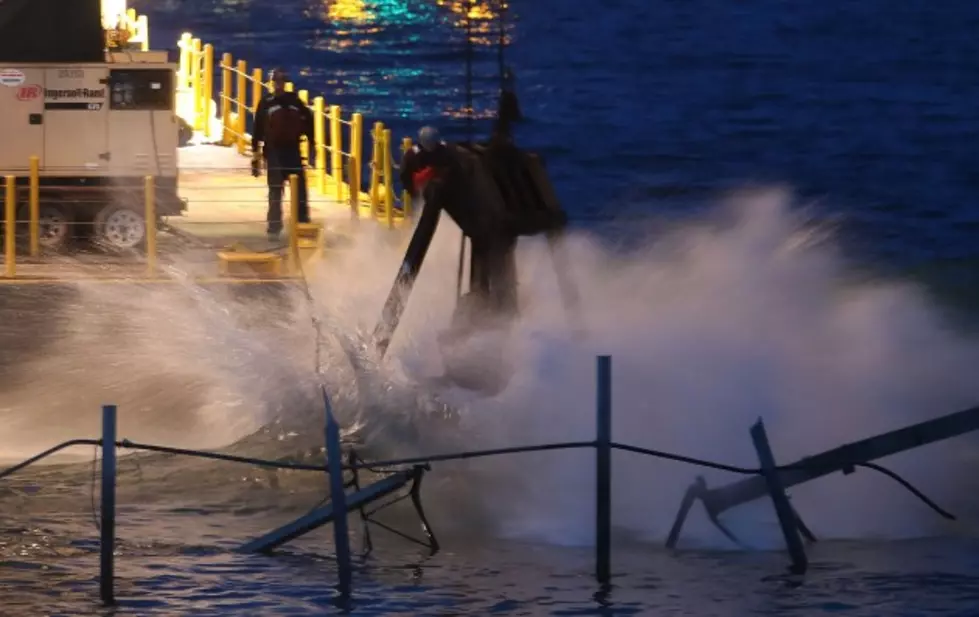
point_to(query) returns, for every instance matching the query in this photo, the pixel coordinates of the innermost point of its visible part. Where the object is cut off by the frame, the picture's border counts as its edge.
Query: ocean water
(774, 212)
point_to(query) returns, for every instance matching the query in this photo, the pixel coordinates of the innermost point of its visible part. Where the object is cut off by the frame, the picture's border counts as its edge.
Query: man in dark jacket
(424, 161)
(281, 120)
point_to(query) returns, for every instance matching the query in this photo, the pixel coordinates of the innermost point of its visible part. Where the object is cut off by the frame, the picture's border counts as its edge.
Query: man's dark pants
(281, 163)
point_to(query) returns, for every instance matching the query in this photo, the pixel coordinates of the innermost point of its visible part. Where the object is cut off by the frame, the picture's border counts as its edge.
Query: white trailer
(98, 129)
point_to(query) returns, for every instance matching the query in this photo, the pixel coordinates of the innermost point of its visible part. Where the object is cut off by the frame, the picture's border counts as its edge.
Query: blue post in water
(783, 509)
(603, 472)
(107, 540)
(338, 497)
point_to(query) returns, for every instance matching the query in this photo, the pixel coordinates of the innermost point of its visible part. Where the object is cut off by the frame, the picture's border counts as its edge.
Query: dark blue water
(647, 108)
(643, 110)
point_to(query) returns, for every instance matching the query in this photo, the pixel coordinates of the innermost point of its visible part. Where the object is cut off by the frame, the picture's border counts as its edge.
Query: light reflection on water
(389, 59)
(53, 574)
(677, 121)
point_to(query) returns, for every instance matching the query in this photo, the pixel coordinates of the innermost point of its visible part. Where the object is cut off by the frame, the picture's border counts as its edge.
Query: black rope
(37, 457)
(219, 456)
(669, 456)
(469, 72)
(501, 46)
(893, 475)
(381, 466)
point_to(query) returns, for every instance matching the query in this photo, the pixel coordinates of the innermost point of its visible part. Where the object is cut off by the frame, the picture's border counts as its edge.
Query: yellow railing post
(257, 89)
(149, 220)
(226, 61)
(405, 195)
(376, 137)
(356, 158)
(294, 223)
(185, 54)
(10, 227)
(290, 87)
(143, 27)
(336, 149)
(241, 104)
(353, 175)
(34, 201)
(303, 141)
(196, 57)
(207, 96)
(388, 181)
(319, 136)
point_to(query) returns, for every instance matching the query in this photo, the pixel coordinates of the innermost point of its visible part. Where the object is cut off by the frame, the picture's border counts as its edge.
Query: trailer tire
(55, 226)
(120, 228)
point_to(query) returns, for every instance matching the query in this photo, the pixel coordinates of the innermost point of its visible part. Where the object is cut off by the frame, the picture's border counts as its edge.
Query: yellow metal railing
(10, 220)
(339, 141)
(305, 240)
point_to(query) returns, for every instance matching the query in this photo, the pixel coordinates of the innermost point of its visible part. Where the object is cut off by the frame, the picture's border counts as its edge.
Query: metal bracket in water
(359, 499)
(787, 518)
(843, 459)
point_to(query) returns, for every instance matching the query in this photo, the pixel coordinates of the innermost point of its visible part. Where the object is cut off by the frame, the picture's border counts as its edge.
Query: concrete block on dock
(311, 238)
(234, 263)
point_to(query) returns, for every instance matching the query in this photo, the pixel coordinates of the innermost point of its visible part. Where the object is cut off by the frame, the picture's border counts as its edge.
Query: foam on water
(745, 314)
(749, 314)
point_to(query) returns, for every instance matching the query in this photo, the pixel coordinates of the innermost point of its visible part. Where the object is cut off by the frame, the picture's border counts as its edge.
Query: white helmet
(428, 138)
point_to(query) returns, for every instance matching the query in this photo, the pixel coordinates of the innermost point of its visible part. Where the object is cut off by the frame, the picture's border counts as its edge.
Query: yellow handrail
(10, 227)
(336, 172)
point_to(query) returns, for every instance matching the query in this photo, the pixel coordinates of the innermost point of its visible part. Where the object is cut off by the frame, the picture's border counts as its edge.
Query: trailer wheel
(54, 226)
(120, 228)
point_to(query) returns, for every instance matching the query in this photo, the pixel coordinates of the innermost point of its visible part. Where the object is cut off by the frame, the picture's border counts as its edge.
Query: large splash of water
(746, 314)
(751, 313)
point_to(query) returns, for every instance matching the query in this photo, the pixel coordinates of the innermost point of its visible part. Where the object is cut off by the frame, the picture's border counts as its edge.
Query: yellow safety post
(149, 220)
(336, 149)
(143, 27)
(294, 223)
(303, 141)
(376, 162)
(257, 86)
(356, 157)
(10, 227)
(195, 82)
(34, 201)
(185, 52)
(388, 183)
(353, 176)
(241, 104)
(319, 136)
(405, 195)
(207, 96)
(226, 61)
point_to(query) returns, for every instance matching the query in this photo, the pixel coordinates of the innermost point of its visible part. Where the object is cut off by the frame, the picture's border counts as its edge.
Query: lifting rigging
(495, 192)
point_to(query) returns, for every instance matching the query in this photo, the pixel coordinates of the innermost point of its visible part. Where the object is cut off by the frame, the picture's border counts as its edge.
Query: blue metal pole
(107, 541)
(783, 509)
(338, 497)
(603, 472)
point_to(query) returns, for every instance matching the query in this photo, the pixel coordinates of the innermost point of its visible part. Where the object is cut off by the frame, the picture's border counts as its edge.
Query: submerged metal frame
(774, 480)
(358, 500)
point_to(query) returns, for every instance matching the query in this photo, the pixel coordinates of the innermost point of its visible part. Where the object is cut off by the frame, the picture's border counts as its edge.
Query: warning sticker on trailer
(11, 77)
